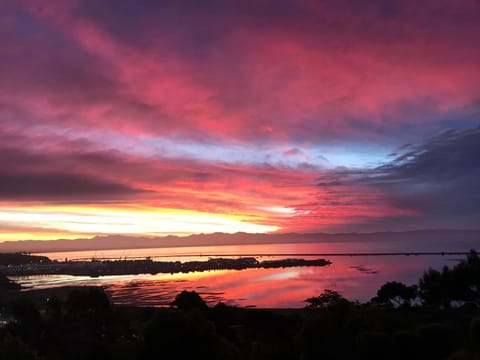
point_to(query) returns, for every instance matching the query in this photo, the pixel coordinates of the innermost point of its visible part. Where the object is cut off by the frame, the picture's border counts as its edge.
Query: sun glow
(278, 210)
(92, 221)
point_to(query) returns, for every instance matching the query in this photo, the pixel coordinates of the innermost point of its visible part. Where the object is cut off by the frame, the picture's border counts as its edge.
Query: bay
(355, 277)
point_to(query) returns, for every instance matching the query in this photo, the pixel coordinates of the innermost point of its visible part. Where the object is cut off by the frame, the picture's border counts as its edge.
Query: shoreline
(96, 268)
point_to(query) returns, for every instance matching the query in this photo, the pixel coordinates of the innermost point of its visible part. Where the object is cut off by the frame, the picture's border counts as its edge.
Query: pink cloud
(329, 72)
(89, 84)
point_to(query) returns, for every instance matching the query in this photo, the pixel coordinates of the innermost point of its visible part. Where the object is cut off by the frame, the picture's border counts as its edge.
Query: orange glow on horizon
(51, 222)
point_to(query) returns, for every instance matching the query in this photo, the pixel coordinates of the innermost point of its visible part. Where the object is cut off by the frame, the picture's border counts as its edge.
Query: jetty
(95, 268)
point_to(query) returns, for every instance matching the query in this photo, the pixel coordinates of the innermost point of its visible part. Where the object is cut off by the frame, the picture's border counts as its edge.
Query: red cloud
(283, 76)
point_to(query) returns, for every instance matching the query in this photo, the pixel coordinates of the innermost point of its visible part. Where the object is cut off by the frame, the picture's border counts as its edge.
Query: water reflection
(357, 278)
(190, 253)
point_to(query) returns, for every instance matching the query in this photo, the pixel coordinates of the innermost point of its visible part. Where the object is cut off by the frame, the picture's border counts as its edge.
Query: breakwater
(97, 268)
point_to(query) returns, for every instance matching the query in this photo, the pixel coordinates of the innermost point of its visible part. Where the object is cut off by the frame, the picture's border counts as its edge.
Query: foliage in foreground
(6, 284)
(64, 329)
(458, 284)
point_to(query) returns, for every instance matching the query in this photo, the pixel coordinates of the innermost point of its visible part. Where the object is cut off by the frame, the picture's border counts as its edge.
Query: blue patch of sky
(326, 156)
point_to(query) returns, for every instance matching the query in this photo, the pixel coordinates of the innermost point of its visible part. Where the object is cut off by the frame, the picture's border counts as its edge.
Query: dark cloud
(38, 186)
(35, 58)
(438, 179)
(37, 62)
(62, 174)
(192, 25)
(444, 159)
(197, 28)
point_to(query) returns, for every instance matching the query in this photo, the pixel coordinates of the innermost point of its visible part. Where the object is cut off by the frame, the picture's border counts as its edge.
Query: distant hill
(439, 240)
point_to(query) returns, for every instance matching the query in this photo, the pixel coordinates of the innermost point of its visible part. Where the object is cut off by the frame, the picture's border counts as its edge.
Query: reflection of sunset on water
(357, 278)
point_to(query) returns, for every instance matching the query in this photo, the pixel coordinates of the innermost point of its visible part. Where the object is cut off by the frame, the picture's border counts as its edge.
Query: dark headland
(23, 265)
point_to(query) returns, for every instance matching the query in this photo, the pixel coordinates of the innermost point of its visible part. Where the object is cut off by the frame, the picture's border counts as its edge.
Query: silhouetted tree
(433, 288)
(461, 283)
(466, 278)
(327, 299)
(188, 300)
(395, 294)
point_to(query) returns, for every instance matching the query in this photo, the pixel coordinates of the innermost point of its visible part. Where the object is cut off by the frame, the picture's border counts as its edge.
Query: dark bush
(373, 345)
(436, 341)
(189, 300)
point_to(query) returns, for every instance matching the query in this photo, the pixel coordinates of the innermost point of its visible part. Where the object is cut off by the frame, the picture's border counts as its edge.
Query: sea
(356, 272)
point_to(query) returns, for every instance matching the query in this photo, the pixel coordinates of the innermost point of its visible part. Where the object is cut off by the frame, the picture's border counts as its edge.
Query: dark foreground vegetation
(439, 318)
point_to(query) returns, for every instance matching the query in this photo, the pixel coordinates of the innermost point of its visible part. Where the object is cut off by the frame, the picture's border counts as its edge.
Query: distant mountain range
(438, 240)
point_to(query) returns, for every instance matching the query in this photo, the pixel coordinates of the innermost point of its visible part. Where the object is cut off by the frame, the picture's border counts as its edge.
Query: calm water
(355, 277)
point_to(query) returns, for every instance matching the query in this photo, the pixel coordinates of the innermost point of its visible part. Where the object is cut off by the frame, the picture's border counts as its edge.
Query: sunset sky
(176, 117)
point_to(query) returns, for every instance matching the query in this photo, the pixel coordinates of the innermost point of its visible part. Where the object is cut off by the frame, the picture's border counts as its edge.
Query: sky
(177, 117)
